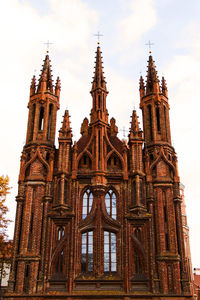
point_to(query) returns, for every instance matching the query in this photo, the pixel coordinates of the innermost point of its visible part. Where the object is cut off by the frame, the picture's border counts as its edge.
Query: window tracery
(87, 203)
(111, 204)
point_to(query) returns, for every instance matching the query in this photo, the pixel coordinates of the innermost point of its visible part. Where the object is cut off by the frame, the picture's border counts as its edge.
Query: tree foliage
(4, 190)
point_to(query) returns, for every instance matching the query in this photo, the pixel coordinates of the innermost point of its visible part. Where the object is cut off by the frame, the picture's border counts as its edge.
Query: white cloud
(68, 25)
(141, 19)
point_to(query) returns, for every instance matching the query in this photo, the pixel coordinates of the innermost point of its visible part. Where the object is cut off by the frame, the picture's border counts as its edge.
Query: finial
(149, 44)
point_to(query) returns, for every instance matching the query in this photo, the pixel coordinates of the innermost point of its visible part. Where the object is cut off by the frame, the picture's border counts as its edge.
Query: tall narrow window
(26, 278)
(87, 252)
(110, 252)
(150, 122)
(65, 192)
(49, 121)
(61, 233)
(166, 129)
(99, 101)
(134, 193)
(138, 264)
(87, 203)
(158, 118)
(99, 154)
(59, 267)
(32, 122)
(59, 191)
(111, 204)
(165, 221)
(140, 192)
(41, 119)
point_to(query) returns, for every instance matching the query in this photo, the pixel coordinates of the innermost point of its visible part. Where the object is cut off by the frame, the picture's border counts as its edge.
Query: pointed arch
(35, 156)
(85, 160)
(163, 157)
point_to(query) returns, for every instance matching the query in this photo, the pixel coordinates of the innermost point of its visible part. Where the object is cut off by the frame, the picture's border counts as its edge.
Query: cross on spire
(48, 44)
(124, 131)
(149, 44)
(98, 36)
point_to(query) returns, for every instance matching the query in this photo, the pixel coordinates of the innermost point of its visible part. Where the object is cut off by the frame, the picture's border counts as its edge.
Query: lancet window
(61, 233)
(111, 204)
(60, 262)
(87, 203)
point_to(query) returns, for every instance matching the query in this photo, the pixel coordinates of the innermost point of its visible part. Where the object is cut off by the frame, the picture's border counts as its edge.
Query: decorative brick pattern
(152, 262)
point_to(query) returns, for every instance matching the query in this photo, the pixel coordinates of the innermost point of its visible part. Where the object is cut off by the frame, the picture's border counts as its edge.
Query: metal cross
(124, 131)
(48, 44)
(98, 36)
(149, 44)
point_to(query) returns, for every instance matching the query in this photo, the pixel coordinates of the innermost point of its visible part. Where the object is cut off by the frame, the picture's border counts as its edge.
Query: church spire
(152, 85)
(99, 91)
(45, 80)
(98, 79)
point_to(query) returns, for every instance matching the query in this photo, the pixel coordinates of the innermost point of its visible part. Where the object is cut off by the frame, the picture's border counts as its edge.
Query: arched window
(87, 203)
(111, 204)
(59, 191)
(49, 121)
(158, 118)
(140, 192)
(41, 119)
(65, 192)
(150, 122)
(87, 252)
(32, 122)
(110, 252)
(165, 221)
(59, 267)
(61, 233)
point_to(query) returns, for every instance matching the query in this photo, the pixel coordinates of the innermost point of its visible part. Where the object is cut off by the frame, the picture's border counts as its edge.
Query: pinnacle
(98, 79)
(46, 76)
(152, 77)
(135, 130)
(65, 130)
(164, 87)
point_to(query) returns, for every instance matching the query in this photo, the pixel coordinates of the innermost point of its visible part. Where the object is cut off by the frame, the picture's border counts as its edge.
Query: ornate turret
(155, 107)
(43, 106)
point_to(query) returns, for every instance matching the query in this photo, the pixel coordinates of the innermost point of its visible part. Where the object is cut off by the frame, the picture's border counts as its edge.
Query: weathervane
(149, 44)
(48, 44)
(98, 36)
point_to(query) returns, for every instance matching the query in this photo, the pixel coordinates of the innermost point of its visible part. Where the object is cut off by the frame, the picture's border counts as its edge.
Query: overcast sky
(127, 25)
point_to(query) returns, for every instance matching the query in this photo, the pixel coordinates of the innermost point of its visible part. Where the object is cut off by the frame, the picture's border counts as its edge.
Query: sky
(127, 26)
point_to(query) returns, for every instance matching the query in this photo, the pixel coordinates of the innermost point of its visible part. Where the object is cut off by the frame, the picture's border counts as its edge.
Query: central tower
(100, 217)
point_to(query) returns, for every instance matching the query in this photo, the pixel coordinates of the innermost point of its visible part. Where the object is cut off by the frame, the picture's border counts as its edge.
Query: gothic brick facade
(100, 218)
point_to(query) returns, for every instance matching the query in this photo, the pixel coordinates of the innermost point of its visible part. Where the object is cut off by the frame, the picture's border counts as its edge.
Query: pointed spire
(164, 87)
(45, 81)
(98, 79)
(135, 130)
(142, 89)
(65, 131)
(152, 85)
(58, 87)
(33, 86)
